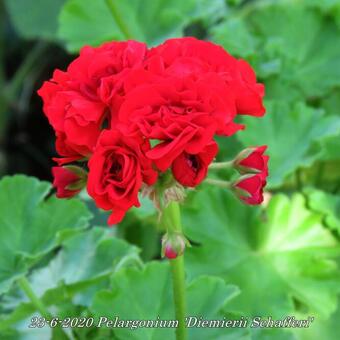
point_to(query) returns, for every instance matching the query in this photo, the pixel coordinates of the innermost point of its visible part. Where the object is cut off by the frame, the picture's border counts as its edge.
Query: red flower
(101, 71)
(186, 56)
(117, 169)
(80, 102)
(190, 170)
(182, 113)
(114, 101)
(64, 178)
(251, 189)
(253, 160)
(72, 113)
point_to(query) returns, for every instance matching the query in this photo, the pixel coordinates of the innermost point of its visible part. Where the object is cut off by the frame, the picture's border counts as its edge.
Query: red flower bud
(189, 169)
(173, 245)
(68, 180)
(169, 252)
(249, 188)
(252, 160)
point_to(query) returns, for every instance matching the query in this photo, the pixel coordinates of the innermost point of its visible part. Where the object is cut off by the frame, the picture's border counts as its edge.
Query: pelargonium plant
(130, 120)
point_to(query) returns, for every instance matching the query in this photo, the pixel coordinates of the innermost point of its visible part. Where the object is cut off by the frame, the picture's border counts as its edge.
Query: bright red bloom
(116, 100)
(253, 160)
(182, 113)
(251, 189)
(190, 170)
(187, 56)
(81, 101)
(117, 169)
(63, 178)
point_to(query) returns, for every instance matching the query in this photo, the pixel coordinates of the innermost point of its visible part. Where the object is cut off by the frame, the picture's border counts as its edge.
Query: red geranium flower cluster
(132, 113)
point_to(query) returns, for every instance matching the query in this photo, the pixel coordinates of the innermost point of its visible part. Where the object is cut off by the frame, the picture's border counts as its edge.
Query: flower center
(193, 162)
(115, 169)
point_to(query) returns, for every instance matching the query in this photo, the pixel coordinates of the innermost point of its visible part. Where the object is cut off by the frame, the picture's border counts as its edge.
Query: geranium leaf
(35, 18)
(30, 226)
(275, 259)
(86, 22)
(292, 136)
(81, 268)
(331, 145)
(321, 328)
(310, 56)
(293, 63)
(147, 294)
(326, 204)
(234, 36)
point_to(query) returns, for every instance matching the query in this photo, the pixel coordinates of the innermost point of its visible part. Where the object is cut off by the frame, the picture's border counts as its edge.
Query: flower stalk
(171, 218)
(39, 305)
(218, 183)
(221, 165)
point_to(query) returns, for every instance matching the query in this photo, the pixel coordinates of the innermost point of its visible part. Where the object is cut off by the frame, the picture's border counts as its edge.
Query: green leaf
(147, 294)
(30, 226)
(331, 145)
(277, 259)
(235, 37)
(34, 19)
(77, 272)
(326, 204)
(328, 7)
(310, 56)
(292, 134)
(86, 22)
(321, 329)
(293, 62)
(87, 256)
(23, 332)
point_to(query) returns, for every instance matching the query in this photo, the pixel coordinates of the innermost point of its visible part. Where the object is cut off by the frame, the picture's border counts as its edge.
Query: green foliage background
(279, 259)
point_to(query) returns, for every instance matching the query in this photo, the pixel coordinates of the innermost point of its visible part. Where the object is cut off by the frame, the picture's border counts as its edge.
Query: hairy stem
(221, 165)
(172, 219)
(218, 183)
(39, 305)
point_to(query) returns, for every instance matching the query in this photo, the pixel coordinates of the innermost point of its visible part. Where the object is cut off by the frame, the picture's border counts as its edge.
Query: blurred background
(294, 47)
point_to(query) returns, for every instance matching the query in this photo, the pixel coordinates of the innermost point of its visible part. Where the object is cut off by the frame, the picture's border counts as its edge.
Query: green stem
(118, 18)
(221, 165)
(39, 305)
(218, 182)
(26, 287)
(172, 219)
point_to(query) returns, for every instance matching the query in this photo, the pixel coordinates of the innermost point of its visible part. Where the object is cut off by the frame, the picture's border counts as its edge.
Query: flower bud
(68, 180)
(173, 245)
(252, 160)
(249, 188)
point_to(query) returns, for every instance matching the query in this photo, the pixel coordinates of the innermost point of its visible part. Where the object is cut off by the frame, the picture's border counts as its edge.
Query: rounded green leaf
(147, 295)
(293, 134)
(86, 22)
(277, 259)
(31, 226)
(35, 18)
